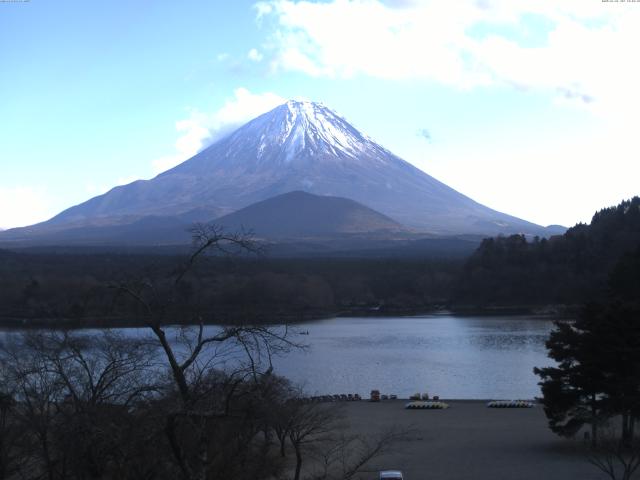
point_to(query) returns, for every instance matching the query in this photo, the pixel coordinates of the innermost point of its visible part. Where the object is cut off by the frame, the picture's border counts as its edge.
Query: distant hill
(294, 216)
(565, 268)
(551, 230)
(300, 214)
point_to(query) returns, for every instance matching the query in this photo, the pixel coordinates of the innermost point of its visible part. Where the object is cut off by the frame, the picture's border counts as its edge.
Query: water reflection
(451, 356)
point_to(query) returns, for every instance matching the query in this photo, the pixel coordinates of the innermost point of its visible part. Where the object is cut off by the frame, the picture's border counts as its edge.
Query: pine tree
(598, 361)
(573, 391)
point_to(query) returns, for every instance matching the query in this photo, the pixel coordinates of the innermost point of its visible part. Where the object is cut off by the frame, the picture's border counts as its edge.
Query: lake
(451, 356)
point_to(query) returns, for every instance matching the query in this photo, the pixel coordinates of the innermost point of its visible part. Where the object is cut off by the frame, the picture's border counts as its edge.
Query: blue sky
(530, 107)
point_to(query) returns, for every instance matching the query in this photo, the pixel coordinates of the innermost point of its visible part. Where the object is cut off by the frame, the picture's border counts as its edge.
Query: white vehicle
(391, 475)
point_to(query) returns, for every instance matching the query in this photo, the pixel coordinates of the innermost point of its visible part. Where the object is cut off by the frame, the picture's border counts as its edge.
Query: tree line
(74, 289)
(564, 269)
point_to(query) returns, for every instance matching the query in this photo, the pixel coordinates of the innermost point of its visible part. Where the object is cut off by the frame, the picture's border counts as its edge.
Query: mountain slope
(300, 214)
(150, 230)
(297, 146)
(293, 216)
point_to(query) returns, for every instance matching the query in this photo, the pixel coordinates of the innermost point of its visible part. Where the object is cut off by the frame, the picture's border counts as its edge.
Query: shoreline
(558, 312)
(535, 401)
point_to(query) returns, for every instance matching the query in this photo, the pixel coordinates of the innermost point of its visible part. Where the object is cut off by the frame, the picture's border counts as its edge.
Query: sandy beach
(470, 441)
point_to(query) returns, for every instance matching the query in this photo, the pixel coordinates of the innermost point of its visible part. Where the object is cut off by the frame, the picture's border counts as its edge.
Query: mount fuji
(298, 146)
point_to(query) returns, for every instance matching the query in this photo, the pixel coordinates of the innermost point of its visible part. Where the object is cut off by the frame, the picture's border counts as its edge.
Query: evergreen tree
(598, 361)
(573, 391)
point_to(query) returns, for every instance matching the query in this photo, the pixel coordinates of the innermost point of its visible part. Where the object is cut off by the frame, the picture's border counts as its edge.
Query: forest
(504, 273)
(77, 290)
(564, 269)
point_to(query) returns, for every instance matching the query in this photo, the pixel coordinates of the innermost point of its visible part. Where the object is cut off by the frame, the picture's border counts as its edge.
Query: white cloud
(262, 9)
(202, 129)
(580, 54)
(194, 134)
(254, 55)
(24, 205)
(584, 57)
(346, 38)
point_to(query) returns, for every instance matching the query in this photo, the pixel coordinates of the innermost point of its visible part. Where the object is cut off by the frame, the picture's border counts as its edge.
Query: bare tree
(614, 456)
(37, 393)
(310, 423)
(351, 455)
(193, 402)
(196, 351)
(319, 431)
(11, 462)
(72, 399)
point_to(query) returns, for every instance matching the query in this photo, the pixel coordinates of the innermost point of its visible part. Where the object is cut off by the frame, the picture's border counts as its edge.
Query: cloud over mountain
(202, 129)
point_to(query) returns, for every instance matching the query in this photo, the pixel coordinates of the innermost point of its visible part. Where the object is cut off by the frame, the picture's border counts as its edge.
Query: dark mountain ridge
(334, 223)
(295, 224)
(300, 214)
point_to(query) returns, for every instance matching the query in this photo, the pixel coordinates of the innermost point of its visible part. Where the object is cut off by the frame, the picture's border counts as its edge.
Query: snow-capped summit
(299, 132)
(313, 126)
(296, 146)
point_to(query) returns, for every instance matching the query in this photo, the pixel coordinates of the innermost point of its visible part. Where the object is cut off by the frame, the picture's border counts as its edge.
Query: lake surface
(462, 357)
(450, 356)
